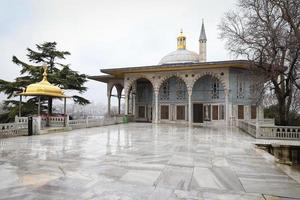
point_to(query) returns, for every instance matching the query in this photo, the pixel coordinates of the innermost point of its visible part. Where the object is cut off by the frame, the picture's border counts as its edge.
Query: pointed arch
(166, 77)
(129, 81)
(212, 74)
(167, 92)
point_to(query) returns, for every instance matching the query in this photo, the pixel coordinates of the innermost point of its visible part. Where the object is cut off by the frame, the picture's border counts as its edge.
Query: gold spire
(181, 41)
(45, 74)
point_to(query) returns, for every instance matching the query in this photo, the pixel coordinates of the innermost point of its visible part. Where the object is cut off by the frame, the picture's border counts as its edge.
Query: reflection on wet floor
(140, 161)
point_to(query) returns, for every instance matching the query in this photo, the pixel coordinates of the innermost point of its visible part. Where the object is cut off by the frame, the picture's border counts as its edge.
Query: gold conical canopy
(43, 88)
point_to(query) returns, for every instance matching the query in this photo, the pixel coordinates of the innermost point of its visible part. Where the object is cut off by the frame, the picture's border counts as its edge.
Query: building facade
(185, 88)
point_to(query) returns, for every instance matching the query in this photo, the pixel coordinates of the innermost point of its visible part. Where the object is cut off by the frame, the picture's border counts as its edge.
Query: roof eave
(119, 72)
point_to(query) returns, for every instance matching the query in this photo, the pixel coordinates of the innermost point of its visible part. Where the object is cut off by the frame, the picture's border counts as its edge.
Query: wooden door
(240, 111)
(141, 112)
(164, 112)
(180, 112)
(253, 112)
(215, 112)
(198, 113)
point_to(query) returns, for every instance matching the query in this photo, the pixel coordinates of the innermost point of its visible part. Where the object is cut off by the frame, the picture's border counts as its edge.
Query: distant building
(184, 88)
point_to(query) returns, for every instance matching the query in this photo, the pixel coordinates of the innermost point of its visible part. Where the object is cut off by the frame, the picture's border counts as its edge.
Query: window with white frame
(180, 89)
(215, 88)
(240, 88)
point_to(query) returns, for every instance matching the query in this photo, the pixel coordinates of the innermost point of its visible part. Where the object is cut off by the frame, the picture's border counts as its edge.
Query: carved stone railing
(265, 121)
(247, 127)
(13, 129)
(279, 132)
(20, 126)
(21, 119)
(269, 130)
(54, 121)
(92, 122)
(78, 123)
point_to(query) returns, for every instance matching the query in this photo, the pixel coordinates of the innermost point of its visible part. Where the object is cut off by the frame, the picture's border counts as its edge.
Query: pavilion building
(185, 88)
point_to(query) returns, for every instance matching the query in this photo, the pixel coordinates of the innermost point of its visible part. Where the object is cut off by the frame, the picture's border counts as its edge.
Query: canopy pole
(20, 106)
(39, 106)
(65, 111)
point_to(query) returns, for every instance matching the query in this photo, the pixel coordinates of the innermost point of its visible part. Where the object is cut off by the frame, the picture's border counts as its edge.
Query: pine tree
(59, 74)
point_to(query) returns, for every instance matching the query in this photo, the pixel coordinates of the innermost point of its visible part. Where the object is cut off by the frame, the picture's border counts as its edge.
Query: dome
(180, 56)
(43, 88)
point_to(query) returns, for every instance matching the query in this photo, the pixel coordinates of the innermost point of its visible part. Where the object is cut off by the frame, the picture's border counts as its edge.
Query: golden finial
(45, 74)
(181, 40)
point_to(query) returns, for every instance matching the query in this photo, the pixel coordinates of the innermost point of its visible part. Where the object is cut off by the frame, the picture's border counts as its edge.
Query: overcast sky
(107, 33)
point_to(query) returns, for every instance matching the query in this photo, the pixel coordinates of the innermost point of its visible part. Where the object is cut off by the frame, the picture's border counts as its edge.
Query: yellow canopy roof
(43, 88)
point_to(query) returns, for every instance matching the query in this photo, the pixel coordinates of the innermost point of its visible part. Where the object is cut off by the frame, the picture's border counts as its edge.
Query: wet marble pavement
(141, 161)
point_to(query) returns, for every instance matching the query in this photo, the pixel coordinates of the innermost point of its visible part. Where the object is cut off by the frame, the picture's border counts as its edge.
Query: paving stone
(141, 161)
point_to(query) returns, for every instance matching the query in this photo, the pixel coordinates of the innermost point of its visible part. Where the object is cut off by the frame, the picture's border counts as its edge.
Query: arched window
(215, 88)
(165, 95)
(240, 87)
(180, 89)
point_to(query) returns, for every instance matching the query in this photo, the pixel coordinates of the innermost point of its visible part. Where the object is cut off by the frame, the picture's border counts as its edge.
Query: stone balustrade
(54, 121)
(20, 126)
(279, 132)
(248, 127)
(268, 130)
(13, 129)
(265, 121)
(21, 119)
(92, 122)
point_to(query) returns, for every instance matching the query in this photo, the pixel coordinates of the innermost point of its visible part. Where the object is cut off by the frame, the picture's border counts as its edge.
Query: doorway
(198, 113)
(215, 112)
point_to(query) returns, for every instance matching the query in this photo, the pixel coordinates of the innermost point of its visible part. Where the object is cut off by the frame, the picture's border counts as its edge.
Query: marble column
(108, 104)
(227, 107)
(261, 112)
(133, 104)
(190, 118)
(133, 98)
(119, 104)
(156, 105)
(126, 103)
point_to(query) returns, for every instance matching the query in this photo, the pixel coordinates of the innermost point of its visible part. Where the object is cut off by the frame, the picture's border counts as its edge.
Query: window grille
(165, 93)
(240, 88)
(215, 89)
(180, 90)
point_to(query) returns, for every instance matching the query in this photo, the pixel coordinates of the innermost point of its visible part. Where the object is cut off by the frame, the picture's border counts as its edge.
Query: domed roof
(180, 56)
(43, 88)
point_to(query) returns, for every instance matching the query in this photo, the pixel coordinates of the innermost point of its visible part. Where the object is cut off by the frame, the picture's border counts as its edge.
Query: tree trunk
(50, 103)
(50, 106)
(283, 113)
